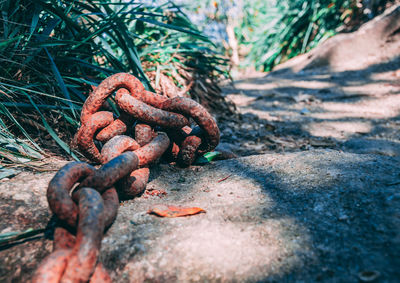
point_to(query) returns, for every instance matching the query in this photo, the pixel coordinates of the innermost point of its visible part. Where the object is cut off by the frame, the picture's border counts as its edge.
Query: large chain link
(85, 200)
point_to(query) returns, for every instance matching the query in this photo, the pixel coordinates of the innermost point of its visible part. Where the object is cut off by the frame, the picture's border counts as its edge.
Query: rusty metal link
(117, 127)
(74, 259)
(143, 134)
(85, 200)
(116, 146)
(147, 113)
(171, 114)
(87, 131)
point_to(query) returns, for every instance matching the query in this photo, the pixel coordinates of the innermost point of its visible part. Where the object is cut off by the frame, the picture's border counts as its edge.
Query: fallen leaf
(174, 211)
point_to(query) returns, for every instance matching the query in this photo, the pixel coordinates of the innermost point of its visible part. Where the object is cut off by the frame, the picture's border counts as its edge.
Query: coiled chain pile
(85, 200)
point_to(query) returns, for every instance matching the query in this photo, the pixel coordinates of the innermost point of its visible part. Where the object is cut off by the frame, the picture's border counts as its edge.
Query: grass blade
(60, 82)
(53, 134)
(24, 132)
(11, 237)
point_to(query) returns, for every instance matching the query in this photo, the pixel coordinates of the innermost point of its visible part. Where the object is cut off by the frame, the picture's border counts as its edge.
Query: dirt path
(343, 94)
(355, 111)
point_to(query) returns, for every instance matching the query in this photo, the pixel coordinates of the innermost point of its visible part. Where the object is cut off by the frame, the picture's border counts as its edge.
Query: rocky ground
(314, 197)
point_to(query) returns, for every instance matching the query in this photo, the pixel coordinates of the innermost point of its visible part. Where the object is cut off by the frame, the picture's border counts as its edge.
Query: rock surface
(306, 216)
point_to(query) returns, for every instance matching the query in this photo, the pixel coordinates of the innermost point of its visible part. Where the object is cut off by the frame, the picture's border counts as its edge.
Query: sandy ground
(316, 199)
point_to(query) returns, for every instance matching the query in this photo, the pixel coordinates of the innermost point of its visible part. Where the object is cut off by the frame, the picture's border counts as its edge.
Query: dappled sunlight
(382, 108)
(317, 108)
(262, 85)
(260, 221)
(338, 130)
(370, 88)
(315, 85)
(385, 74)
(268, 84)
(241, 99)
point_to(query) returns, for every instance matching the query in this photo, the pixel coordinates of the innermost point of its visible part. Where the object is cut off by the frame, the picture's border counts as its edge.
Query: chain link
(85, 200)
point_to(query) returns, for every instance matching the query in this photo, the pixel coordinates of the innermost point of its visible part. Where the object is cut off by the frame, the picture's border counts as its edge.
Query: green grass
(52, 52)
(282, 30)
(270, 32)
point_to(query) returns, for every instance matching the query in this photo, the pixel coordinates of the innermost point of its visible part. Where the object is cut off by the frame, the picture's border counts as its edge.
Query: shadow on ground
(305, 216)
(287, 111)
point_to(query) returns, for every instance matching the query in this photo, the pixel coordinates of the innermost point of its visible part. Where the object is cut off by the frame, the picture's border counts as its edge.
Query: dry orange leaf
(174, 211)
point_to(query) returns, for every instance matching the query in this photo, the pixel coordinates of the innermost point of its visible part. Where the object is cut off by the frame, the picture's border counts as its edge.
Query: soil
(314, 197)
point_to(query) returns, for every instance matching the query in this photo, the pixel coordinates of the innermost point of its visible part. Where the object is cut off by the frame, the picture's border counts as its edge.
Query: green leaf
(168, 26)
(5, 43)
(207, 158)
(38, 92)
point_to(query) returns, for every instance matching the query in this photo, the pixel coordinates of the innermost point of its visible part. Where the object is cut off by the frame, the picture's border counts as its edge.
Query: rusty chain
(85, 200)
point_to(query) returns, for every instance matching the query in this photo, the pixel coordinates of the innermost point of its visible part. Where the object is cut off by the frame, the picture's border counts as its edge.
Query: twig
(223, 179)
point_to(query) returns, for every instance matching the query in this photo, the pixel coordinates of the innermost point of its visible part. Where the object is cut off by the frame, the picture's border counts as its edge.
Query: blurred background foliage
(53, 52)
(265, 33)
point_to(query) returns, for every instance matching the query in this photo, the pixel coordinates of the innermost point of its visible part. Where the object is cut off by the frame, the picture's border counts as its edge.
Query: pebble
(304, 111)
